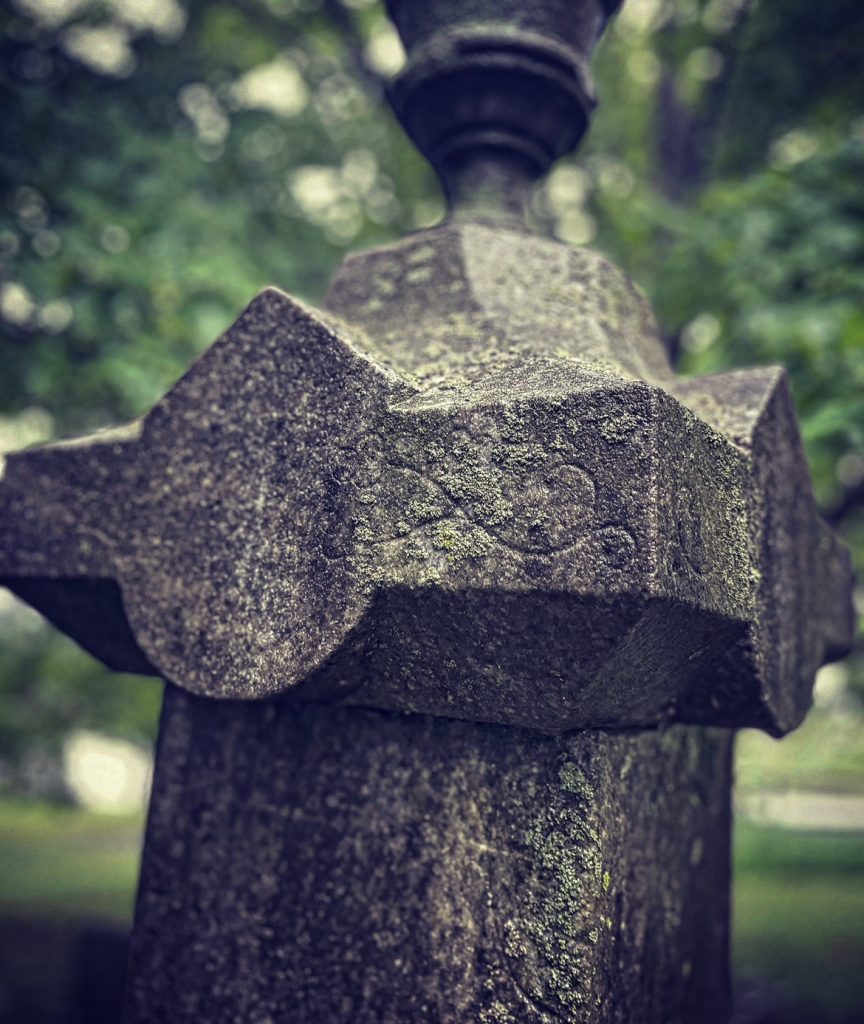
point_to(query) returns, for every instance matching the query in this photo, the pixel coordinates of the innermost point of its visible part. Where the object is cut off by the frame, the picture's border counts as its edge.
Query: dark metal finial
(495, 91)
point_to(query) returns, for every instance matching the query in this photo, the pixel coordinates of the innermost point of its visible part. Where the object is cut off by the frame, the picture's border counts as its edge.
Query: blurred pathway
(796, 809)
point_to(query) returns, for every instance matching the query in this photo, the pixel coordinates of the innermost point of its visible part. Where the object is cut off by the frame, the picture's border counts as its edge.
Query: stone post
(459, 592)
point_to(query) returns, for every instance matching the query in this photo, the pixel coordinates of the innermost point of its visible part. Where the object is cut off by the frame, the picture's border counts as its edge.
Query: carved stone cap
(473, 487)
(558, 535)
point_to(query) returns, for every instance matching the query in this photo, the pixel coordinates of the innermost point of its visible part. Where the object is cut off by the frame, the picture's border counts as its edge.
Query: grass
(798, 920)
(804, 938)
(826, 755)
(62, 862)
(67, 888)
(761, 849)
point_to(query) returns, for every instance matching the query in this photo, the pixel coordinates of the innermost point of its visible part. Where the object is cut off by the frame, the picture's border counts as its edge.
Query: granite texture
(480, 492)
(310, 863)
(484, 498)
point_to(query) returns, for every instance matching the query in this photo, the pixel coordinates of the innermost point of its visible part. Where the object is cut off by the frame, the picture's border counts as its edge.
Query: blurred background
(162, 160)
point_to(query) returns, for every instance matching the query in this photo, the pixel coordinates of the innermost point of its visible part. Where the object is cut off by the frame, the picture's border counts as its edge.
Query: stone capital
(450, 493)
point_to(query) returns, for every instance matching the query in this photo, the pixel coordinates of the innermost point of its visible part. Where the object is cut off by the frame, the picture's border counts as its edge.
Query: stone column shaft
(308, 864)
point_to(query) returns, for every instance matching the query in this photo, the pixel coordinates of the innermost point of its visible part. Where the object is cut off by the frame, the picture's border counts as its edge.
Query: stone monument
(459, 592)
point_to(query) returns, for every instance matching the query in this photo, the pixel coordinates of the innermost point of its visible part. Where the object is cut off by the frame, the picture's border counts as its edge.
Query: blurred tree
(159, 164)
(162, 161)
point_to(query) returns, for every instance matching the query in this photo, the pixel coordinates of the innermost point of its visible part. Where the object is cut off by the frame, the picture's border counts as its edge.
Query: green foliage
(780, 279)
(143, 212)
(50, 686)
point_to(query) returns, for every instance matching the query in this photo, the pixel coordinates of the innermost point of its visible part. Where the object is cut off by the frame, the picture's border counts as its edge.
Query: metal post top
(494, 93)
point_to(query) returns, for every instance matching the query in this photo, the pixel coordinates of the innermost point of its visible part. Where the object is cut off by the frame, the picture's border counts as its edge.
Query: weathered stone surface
(305, 863)
(757, 590)
(804, 614)
(452, 305)
(490, 499)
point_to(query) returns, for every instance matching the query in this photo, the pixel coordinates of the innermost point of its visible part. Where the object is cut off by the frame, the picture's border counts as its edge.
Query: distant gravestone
(459, 591)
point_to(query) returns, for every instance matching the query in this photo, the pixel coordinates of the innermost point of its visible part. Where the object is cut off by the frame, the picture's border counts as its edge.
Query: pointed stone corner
(57, 545)
(260, 451)
(224, 520)
(802, 570)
